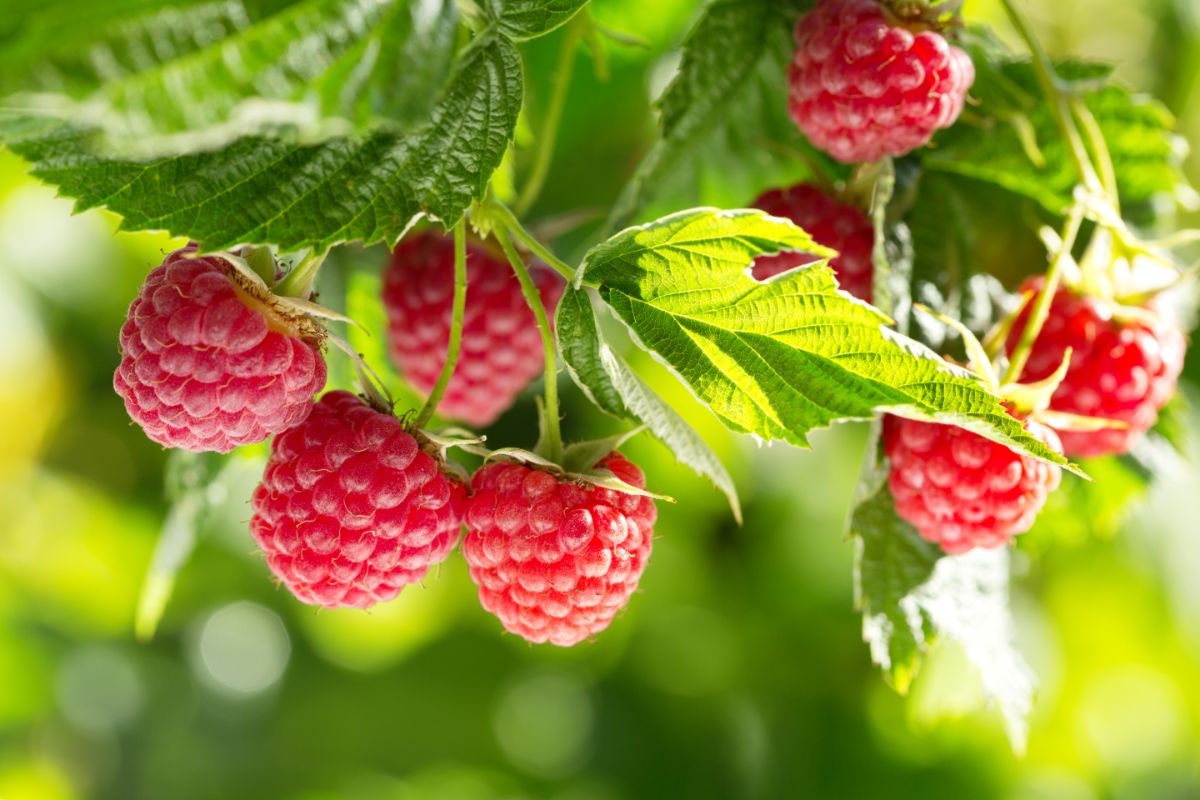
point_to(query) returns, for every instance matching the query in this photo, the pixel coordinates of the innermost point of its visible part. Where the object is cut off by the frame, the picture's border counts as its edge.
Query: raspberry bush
(893, 149)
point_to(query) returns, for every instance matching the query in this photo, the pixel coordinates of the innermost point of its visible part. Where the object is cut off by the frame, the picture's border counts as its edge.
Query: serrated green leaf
(274, 190)
(987, 145)
(527, 19)
(616, 389)
(725, 133)
(778, 358)
(892, 562)
(910, 593)
(137, 70)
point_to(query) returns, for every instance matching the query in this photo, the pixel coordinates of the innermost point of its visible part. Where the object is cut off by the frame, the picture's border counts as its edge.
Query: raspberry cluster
(351, 509)
(209, 364)
(501, 346)
(861, 89)
(554, 559)
(844, 228)
(1121, 369)
(961, 490)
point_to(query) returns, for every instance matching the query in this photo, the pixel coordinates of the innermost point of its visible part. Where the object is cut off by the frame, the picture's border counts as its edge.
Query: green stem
(262, 261)
(553, 435)
(456, 325)
(505, 217)
(1095, 138)
(1053, 89)
(549, 132)
(1041, 306)
(299, 282)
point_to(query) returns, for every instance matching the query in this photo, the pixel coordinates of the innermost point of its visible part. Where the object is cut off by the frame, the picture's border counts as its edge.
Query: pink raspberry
(962, 491)
(555, 560)
(351, 509)
(862, 89)
(1123, 370)
(845, 228)
(210, 363)
(501, 347)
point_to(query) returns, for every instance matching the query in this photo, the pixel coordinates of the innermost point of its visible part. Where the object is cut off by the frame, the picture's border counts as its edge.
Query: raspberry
(861, 89)
(1123, 370)
(207, 363)
(555, 559)
(845, 228)
(351, 509)
(961, 490)
(501, 347)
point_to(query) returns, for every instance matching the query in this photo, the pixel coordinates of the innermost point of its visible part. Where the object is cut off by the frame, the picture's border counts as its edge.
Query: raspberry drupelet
(210, 362)
(351, 509)
(501, 346)
(842, 227)
(962, 491)
(554, 559)
(862, 89)
(1121, 369)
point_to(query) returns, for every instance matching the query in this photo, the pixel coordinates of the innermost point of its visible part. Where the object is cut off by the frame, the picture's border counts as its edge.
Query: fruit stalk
(504, 215)
(299, 282)
(553, 435)
(458, 307)
(1041, 306)
(1052, 87)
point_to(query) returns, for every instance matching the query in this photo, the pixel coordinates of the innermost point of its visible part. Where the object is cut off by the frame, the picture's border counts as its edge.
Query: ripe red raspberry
(845, 228)
(555, 559)
(501, 347)
(961, 490)
(351, 509)
(209, 364)
(1123, 370)
(862, 89)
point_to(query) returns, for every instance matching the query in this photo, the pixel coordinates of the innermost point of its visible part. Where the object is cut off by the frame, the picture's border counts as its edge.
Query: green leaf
(778, 358)
(910, 593)
(987, 144)
(616, 389)
(892, 562)
(137, 70)
(527, 19)
(725, 134)
(275, 190)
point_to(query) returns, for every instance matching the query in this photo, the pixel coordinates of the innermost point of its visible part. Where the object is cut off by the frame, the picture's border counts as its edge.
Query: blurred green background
(738, 670)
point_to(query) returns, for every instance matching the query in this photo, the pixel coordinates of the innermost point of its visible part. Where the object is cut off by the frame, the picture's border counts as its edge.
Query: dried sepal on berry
(212, 360)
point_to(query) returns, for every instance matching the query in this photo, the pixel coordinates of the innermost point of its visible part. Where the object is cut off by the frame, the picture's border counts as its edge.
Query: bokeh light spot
(544, 724)
(242, 649)
(98, 689)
